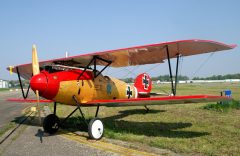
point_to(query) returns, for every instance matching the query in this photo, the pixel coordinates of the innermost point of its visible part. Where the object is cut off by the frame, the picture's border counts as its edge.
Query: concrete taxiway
(30, 139)
(10, 110)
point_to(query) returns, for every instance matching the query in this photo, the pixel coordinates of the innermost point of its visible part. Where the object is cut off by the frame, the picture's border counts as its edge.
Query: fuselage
(61, 86)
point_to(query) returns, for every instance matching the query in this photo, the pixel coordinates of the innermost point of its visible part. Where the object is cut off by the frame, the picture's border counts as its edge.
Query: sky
(90, 26)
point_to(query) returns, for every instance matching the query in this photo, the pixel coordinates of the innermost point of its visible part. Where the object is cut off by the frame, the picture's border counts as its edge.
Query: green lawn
(7, 127)
(4, 89)
(187, 129)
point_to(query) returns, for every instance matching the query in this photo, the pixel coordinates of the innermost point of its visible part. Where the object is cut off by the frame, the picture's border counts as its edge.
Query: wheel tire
(95, 129)
(51, 124)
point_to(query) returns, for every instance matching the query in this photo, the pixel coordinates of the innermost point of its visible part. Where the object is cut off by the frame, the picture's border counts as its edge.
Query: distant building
(214, 81)
(4, 84)
(202, 81)
(232, 80)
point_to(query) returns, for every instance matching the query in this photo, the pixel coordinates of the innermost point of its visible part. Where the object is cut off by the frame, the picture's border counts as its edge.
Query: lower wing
(160, 100)
(163, 100)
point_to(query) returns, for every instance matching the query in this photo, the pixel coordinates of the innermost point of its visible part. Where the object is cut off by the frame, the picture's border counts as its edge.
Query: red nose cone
(39, 82)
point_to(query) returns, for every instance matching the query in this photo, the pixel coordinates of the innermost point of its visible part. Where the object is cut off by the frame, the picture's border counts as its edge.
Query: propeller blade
(35, 63)
(35, 69)
(38, 107)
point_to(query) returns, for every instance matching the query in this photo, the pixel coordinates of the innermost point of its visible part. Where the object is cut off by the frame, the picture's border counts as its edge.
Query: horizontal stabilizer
(158, 94)
(28, 100)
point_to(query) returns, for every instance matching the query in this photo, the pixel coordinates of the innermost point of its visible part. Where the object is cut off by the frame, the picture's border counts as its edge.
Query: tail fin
(143, 84)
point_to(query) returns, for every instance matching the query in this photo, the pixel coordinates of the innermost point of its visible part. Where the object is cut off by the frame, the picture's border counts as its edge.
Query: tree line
(184, 78)
(219, 77)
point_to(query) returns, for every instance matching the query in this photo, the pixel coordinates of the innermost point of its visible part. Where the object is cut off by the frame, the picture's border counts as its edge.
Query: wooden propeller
(36, 70)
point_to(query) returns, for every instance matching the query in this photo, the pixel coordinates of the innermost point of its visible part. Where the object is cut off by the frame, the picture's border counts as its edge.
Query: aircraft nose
(39, 82)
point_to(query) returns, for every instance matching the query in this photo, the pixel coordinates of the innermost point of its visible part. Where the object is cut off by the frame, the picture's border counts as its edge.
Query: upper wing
(139, 55)
(159, 100)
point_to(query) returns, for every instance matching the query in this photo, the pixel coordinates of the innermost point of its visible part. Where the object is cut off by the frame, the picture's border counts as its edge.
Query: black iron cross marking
(129, 92)
(145, 82)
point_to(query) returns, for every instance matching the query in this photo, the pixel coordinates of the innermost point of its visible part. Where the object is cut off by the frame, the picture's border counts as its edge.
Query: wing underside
(138, 55)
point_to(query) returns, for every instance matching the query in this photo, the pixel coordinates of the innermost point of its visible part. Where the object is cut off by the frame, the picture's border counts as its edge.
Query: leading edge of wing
(163, 100)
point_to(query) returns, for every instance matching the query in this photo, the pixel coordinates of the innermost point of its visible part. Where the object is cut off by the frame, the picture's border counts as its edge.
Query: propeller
(36, 70)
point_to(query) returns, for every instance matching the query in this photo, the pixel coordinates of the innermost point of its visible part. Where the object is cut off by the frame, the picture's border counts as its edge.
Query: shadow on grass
(116, 124)
(163, 129)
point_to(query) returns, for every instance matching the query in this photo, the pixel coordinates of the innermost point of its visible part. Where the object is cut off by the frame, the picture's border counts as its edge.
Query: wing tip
(232, 46)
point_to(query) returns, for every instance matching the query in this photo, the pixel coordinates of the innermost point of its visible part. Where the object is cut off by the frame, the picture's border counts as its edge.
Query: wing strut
(174, 86)
(94, 61)
(20, 81)
(176, 75)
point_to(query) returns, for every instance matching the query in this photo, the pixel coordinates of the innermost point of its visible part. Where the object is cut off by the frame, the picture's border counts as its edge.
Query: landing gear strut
(52, 123)
(147, 109)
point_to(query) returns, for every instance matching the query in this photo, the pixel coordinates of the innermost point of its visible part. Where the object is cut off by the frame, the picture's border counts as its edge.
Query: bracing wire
(131, 71)
(152, 68)
(107, 70)
(114, 72)
(181, 65)
(202, 64)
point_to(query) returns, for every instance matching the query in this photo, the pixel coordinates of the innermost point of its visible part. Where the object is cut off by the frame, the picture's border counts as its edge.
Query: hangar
(4, 84)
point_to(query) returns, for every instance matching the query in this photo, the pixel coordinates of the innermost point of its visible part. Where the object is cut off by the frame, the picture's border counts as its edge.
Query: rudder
(143, 84)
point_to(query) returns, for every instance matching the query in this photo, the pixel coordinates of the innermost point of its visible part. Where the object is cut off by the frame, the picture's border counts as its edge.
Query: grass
(223, 106)
(4, 89)
(187, 129)
(7, 127)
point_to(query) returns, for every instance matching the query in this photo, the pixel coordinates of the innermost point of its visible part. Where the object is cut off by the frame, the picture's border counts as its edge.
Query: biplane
(77, 81)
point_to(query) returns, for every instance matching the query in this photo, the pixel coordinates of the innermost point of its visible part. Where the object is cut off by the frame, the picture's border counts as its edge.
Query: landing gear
(95, 129)
(95, 126)
(51, 124)
(147, 109)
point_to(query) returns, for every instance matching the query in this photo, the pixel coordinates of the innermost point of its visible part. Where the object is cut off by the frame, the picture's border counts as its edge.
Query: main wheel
(51, 124)
(95, 129)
